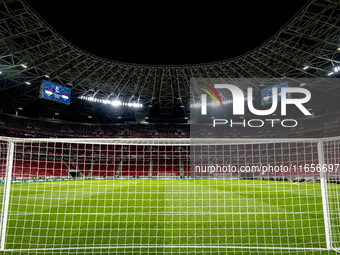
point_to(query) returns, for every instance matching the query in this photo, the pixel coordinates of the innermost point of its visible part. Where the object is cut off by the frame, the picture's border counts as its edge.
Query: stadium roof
(31, 51)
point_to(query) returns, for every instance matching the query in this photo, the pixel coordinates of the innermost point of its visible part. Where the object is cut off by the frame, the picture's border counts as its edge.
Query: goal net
(181, 196)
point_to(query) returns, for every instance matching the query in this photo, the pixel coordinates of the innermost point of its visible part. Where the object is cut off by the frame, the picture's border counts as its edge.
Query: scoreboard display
(266, 94)
(55, 92)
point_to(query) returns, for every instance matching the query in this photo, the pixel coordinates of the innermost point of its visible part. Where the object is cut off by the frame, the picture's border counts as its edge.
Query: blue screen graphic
(266, 94)
(56, 92)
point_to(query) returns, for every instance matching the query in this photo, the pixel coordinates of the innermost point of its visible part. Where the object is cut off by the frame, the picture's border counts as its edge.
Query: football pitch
(165, 216)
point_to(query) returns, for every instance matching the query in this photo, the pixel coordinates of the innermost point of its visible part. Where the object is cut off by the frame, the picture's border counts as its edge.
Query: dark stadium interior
(100, 60)
(37, 47)
(108, 142)
(33, 50)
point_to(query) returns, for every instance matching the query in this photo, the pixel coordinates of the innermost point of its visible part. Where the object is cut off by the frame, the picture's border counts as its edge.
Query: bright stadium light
(114, 103)
(229, 101)
(135, 105)
(196, 105)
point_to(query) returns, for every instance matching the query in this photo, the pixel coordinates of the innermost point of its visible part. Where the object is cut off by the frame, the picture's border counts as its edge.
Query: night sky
(167, 32)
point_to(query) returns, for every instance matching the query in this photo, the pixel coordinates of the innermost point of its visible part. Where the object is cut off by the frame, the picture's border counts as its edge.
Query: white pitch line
(162, 213)
(171, 246)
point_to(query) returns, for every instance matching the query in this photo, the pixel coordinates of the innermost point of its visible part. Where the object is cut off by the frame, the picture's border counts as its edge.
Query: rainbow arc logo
(210, 94)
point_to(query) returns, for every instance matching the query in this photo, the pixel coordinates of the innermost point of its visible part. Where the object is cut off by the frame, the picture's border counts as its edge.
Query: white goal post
(241, 196)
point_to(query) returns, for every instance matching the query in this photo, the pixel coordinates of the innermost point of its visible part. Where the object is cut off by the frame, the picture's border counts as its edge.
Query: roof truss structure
(30, 51)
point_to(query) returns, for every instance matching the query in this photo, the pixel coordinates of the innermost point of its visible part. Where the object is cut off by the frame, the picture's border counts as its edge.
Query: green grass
(165, 216)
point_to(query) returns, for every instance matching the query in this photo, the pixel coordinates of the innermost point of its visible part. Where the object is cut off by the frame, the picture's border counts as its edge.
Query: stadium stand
(14, 126)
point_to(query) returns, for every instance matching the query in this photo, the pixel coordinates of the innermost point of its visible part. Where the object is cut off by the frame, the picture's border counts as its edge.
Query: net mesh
(112, 196)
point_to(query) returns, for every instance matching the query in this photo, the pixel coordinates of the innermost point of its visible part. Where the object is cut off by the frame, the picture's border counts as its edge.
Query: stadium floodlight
(305, 67)
(195, 105)
(336, 69)
(23, 65)
(27, 82)
(229, 101)
(212, 104)
(116, 103)
(329, 74)
(134, 105)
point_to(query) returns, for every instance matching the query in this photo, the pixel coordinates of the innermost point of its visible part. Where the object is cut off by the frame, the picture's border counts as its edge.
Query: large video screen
(266, 94)
(55, 92)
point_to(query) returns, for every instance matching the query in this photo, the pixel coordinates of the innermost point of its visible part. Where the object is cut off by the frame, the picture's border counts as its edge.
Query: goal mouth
(125, 195)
